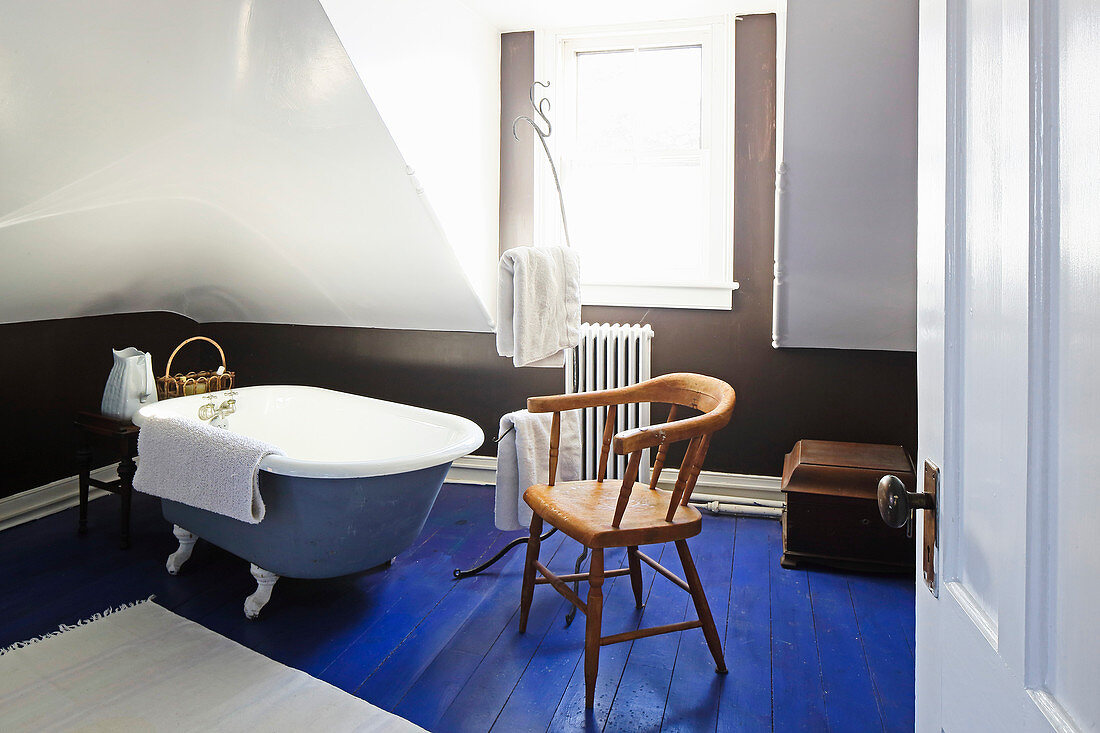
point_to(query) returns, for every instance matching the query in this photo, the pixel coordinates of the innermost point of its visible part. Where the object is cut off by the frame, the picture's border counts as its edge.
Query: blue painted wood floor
(807, 649)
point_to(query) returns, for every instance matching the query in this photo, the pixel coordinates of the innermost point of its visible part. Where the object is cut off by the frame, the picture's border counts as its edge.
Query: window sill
(700, 297)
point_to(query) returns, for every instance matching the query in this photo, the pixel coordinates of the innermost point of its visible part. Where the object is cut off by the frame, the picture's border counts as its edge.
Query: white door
(1009, 363)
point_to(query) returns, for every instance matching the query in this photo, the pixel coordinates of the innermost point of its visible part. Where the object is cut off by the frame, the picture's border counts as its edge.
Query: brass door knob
(896, 505)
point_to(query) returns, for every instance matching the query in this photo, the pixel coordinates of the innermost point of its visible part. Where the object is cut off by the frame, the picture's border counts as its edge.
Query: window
(643, 139)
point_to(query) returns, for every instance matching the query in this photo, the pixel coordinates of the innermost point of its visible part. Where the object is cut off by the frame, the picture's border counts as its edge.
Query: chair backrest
(713, 397)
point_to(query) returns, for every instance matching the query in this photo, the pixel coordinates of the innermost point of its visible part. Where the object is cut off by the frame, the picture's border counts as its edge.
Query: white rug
(144, 668)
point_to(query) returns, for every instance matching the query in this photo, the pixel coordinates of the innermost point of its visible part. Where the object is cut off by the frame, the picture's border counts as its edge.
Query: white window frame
(555, 55)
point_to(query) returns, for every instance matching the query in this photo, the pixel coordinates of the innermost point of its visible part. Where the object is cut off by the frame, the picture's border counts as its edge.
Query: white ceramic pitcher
(130, 384)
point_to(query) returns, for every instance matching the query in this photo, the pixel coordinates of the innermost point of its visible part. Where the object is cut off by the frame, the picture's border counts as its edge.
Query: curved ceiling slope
(436, 85)
(221, 160)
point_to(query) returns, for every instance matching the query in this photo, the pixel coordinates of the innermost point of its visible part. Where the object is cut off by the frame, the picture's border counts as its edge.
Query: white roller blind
(846, 196)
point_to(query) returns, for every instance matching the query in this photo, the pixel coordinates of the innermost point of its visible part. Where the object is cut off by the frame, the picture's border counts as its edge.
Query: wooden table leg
(84, 463)
(126, 470)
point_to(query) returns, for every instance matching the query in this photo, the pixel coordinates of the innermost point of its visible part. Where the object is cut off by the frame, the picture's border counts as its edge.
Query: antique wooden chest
(831, 514)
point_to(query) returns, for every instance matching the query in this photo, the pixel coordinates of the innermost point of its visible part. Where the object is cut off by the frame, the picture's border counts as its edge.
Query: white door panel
(1074, 560)
(994, 301)
(984, 694)
(1008, 348)
(932, 213)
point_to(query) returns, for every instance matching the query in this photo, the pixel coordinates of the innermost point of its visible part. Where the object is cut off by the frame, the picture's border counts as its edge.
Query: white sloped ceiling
(218, 159)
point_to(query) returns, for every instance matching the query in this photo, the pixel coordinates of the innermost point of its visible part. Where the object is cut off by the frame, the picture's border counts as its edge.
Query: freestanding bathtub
(352, 492)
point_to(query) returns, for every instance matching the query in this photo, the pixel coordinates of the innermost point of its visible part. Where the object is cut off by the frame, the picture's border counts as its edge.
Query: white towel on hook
(188, 461)
(538, 305)
(523, 460)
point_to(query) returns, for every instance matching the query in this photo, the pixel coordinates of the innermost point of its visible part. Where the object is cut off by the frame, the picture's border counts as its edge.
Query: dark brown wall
(51, 369)
(454, 372)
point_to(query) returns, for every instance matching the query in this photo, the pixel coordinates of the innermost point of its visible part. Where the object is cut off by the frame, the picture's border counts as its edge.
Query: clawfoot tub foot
(180, 556)
(265, 581)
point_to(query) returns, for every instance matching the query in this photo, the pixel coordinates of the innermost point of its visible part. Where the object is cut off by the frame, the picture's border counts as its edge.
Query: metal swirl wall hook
(538, 108)
(542, 135)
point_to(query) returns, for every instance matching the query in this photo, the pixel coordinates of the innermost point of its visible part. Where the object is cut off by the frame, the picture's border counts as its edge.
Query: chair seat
(584, 510)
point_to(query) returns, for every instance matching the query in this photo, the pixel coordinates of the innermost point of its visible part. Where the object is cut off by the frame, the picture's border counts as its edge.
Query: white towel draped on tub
(538, 305)
(523, 459)
(210, 468)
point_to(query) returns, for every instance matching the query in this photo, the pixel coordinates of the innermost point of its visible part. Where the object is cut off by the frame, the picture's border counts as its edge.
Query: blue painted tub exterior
(323, 527)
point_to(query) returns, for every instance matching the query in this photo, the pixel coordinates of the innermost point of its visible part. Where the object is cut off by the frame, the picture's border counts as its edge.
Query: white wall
(219, 159)
(433, 69)
(846, 194)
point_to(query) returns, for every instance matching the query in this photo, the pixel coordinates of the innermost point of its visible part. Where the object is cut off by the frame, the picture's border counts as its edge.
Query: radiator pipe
(741, 510)
(741, 500)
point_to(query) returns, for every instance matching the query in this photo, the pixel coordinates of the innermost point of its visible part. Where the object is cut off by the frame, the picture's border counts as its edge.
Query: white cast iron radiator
(609, 355)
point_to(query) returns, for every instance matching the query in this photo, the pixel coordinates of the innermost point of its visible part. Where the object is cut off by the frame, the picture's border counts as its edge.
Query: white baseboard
(480, 470)
(483, 470)
(53, 497)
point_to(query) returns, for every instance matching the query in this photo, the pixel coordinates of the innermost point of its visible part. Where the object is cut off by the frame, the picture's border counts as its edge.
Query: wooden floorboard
(880, 604)
(746, 692)
(849, 696)
(502, 652)
(695, 688)
(618, 603)
(473, 631)
(640, 698)
(543, 681)
(807, 649)
(798, 699)
(410, 597)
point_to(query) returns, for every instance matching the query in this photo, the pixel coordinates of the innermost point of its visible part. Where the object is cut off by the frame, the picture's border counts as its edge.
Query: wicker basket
(181, 385)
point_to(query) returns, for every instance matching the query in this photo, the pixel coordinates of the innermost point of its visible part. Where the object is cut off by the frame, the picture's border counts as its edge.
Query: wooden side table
(124, 433)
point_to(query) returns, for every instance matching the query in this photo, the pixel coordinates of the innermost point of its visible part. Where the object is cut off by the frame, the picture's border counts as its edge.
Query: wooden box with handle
(831, 515)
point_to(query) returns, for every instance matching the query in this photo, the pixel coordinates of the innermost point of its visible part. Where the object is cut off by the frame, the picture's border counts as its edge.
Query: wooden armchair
(611, 513)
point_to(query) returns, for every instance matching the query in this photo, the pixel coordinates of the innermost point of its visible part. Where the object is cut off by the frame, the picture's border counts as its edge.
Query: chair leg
(702, 608)
(528, 591)
(592, 628)
(635, 574)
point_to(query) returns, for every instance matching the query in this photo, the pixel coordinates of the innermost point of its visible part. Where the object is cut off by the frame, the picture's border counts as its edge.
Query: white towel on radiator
(538, 305)
(188, 461)
(523, 460)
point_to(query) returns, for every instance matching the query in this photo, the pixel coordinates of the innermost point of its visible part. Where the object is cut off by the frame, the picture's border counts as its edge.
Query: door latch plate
(931, 484)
